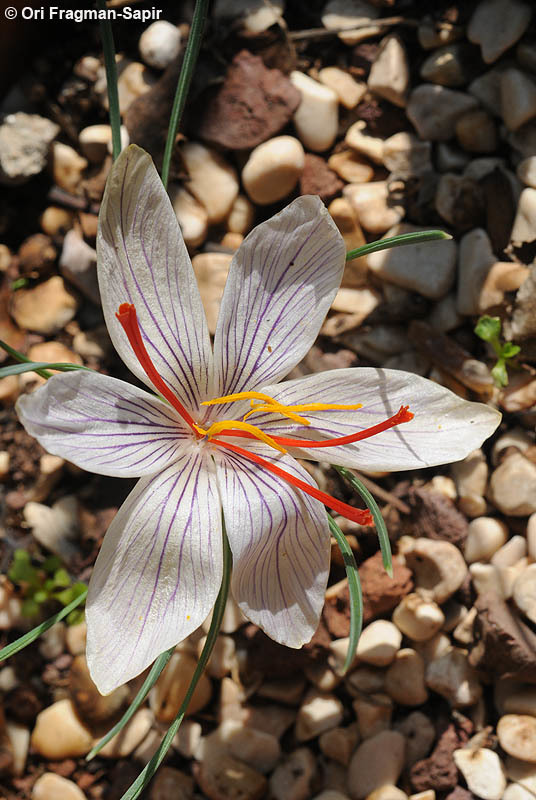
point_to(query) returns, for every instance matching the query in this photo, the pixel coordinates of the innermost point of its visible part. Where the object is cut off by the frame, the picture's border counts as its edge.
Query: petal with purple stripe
(281, 284)
(142, 259)
(103, 424)
(445, 427)
(158, 572)
(279, 538)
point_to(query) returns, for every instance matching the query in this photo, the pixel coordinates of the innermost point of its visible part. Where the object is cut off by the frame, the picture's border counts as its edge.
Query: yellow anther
(276, 408)
(231, 398)
(232, 424)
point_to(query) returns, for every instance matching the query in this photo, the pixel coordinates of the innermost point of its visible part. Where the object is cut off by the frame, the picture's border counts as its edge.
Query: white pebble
(389, 74)
(191, 216)
(213, 181)
(379, 643)
(483, 772)
(418, 618)
(159, 44)
(273, 169)
(485, 536)
(318, 713)
(518, 98)
(347, 89)
(317, 117)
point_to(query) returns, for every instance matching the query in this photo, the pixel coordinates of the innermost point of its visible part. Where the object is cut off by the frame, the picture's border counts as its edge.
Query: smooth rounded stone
(487, 89)
(429, 269)
(513, 486)
(5, 461)
(450, 65)
(476, 132)
(51, 786)
(521, 700)
(405, 155)
(258, 749)
(483, 772)
(453, 678)
(432, 34)
(476, 257)
(93, 707)
(458, 199)
(375, 206)
(418, 618)
(518, 98)
(211, 271)
(487, 578)
(419, 733)
(78, 265)
(212, 180)
(25, 140)
(443, 318)
(228, 777)
(434, 110)
(19, 741)
(241, 216)
(339, 743)
(496, 25)
(95, 141)
(255, 15)
(347, 89)
(434, 648)
(168, 693)
(93, 344)
(369, 146)
(522, 772)
(349, 13)
(379, 643)
(511, 552)
(485, 536)
(159, 44)
(273, 169)
(191, 215)
(504, 276)
(56, 527)
(130, 737)
(45, 308)
(373, 714)
(525, 219)
(171, 784)
(351, 167)
(404, 680)
(471, 474)
(389, 73)
(463, 633)
(67, 167)
(59, 733)
(526, 171)
(291, 780)
(450, 158)
(514, 791)
(317, 117)
(223, 659)
(9, 390)
(524, 139)
(75, 638)
(134, 80)
(55, 220)
(365, 680)
(376, 762)
(524, 592)
(387, 792)
(52, 642)
(517, 736)
(358, 302)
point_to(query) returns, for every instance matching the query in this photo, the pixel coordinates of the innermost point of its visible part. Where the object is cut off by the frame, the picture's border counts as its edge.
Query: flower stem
(397, 241)
(354, 589)
(147, 773)
(190, 57)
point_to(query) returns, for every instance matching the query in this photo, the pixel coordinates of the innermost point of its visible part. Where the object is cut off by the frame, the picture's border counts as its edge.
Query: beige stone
(127, 740)
(59, 733)
(513, 486)
(525, 219)
(45, 308)
(211, 271)
(517, 736)
(169, 691)
(485, 536)
(67, 167)
(483, 772)
(417, 617)
(524, 592)
(453, 678)
(376, 762)
(349, 91)
(159, 44)
(241, 216)
(404, 680)
(389, 74)
(376, 208)
(369, 146)
(273, 169)
(317, 117)
(343, 14)
(318, 713)
(438, 568)
(379, 643)
(191, 215)
(351, 167)
(213, 181)
(51, 786)
(373, 714)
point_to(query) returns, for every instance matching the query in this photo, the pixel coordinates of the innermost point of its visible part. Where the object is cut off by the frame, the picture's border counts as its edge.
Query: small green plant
(489, 329)
(40, 584)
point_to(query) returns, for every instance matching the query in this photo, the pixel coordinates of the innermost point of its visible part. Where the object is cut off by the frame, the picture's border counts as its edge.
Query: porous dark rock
(434, 516)
(318, 178)
(438, 771)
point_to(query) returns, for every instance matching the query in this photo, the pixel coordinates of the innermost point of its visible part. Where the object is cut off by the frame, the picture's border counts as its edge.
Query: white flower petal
(281, 283)
(279, 538)
(445, 428)
(158, 572)
(142, 260)
(103, 425)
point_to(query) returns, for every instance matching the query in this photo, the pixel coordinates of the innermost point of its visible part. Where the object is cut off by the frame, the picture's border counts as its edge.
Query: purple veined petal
(445, 428)
(103, 424)
(142, 259)
(279, 538)
(281, 283)
(158, 573)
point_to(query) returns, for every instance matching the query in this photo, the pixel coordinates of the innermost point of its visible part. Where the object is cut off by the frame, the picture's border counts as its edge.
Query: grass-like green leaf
(36, 632)
(354, 588)
(148, 684)
(397, 241)
(40, 367)
(381, 530)
(183, 84)
(108, 49)
(147, 773)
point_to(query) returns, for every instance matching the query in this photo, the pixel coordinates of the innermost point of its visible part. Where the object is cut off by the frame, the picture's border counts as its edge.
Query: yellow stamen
(232, 424)
(230, 398)
(273, 408)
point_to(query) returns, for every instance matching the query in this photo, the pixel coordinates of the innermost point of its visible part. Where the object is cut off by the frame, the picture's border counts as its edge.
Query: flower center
(260, 402)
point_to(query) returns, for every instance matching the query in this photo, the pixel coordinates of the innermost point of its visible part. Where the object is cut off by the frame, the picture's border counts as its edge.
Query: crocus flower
(222, 433)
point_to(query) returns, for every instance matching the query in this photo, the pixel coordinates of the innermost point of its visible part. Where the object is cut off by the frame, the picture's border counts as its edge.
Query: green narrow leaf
(148, 684)
(147, 773)
(111, 79)
(381, 530)
(41, 367)
(36, 632)
(18, 356)
(397, 241)
(185, 78)
(354, 588)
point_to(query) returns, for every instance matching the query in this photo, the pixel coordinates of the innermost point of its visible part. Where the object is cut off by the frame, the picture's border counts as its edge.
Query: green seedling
(43, 583)
(489, 329)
